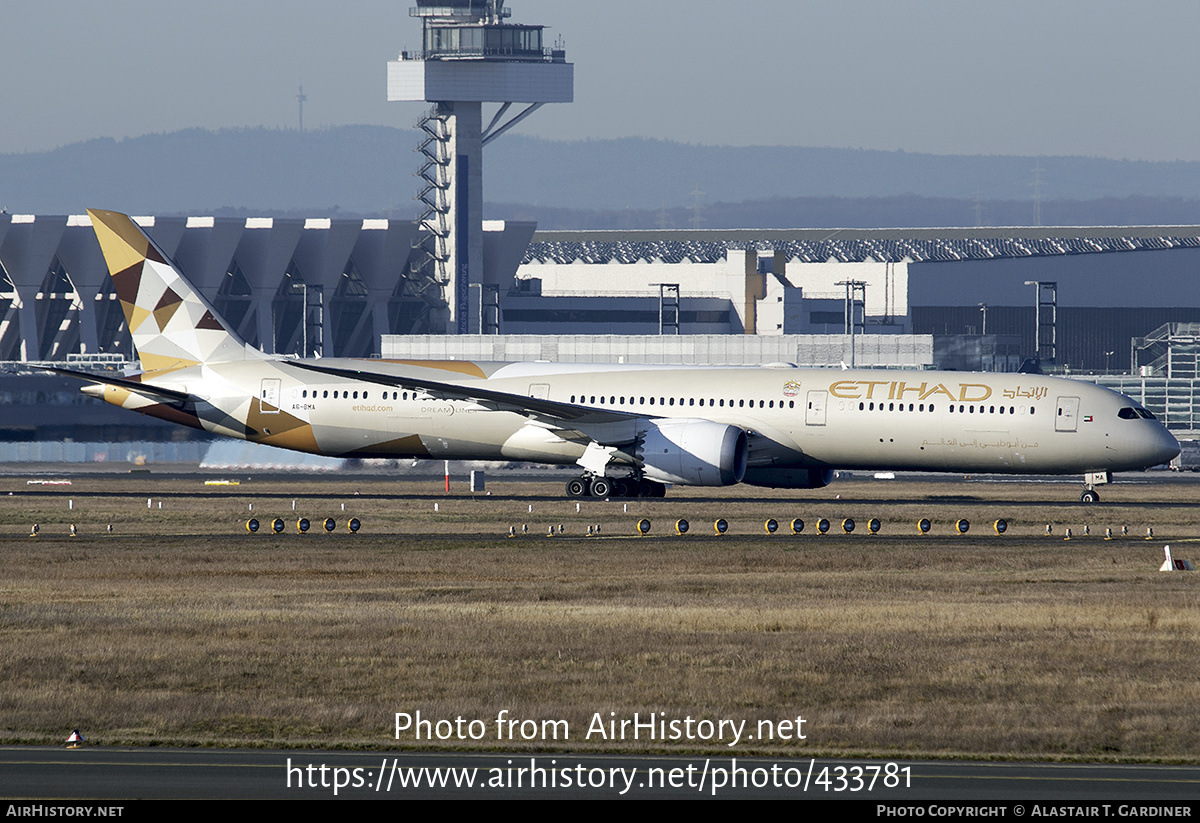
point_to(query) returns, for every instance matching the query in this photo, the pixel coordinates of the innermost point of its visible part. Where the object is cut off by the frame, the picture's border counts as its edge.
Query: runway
(51, 776)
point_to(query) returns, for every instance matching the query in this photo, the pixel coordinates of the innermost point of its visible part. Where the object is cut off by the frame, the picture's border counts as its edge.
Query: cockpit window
(1146, 414)
(1128, 414)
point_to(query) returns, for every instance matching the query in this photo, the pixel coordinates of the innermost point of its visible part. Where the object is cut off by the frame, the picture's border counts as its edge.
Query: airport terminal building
(1099, 300)
(336, 287)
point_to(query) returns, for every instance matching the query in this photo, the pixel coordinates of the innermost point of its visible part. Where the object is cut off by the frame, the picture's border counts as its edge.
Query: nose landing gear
(1090, 481)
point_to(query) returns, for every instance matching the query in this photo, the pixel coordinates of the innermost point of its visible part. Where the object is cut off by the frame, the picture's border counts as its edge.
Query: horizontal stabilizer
(158, 393)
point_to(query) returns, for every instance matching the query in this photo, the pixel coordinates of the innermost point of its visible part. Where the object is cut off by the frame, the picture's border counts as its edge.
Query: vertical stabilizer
(172, 325)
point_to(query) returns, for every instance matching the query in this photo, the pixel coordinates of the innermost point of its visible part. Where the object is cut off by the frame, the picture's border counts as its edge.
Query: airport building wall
(1105, 300)
(721, 291)
(820, 350)
(1113, 283)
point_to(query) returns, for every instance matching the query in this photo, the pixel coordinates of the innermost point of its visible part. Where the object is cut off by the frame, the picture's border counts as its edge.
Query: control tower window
(477, 40)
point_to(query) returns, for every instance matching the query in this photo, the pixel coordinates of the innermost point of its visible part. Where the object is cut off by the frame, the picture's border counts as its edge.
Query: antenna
(1037, 194)
(300, 98)
(696, 218)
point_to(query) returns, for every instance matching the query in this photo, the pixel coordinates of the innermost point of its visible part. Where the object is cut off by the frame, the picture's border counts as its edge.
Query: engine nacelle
(777, 478)
(693, 452)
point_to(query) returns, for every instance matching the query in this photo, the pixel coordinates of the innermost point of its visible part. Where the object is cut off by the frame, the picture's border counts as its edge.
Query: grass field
(180, 628)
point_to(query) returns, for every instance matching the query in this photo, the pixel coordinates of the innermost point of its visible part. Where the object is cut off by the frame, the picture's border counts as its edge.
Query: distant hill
(369, 170)
(361, 168)
(648, 174)
(906, 211)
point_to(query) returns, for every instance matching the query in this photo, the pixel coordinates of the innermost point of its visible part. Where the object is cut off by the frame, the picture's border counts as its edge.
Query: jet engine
(693, 452)
(781, 478)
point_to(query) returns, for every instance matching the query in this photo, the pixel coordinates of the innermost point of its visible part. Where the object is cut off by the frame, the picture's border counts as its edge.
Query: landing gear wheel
(577, 487)
(601, 487)
(620, 488)
(1089, 496)
(645, 488)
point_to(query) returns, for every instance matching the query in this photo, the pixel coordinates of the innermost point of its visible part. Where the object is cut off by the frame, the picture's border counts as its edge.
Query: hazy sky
(1107, 78)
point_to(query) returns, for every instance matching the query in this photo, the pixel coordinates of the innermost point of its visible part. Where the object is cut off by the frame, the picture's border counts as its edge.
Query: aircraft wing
(602, 425)
(158, 393)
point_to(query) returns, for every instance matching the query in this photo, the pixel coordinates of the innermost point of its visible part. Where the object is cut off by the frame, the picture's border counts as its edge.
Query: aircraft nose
(1166, 446)
(1144, 446)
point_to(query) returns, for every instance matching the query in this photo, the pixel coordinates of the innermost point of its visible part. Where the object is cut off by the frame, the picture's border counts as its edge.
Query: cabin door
(268, 395)
(814, 414)
(1067, 417)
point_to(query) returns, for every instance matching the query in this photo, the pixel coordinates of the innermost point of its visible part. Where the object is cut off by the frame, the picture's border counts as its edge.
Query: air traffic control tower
(469, 56)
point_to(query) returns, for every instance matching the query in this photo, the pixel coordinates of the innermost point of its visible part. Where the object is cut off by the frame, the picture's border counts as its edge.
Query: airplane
(630, 429)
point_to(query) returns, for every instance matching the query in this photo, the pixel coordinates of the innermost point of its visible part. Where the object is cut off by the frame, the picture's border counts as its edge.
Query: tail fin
(172, 324)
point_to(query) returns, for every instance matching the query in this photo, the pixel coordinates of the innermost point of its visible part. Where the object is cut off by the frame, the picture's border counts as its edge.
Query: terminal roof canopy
(857, 245)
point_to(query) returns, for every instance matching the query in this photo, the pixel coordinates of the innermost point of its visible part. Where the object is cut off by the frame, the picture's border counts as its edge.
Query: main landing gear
(601, 487)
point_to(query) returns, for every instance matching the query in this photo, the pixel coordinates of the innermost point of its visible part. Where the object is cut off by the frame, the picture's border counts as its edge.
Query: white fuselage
(794, 418)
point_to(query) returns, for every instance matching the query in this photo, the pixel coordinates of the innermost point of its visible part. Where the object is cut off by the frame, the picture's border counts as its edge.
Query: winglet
(171, 323)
